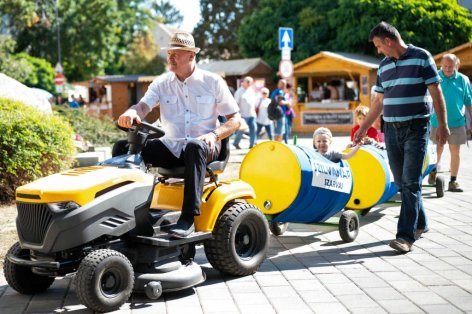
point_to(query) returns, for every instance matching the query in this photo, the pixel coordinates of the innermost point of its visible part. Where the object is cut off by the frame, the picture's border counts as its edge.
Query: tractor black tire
(21, 278)
(278, 228)
(240, 240)
(348, 225)
(104, 280)
(440, 185)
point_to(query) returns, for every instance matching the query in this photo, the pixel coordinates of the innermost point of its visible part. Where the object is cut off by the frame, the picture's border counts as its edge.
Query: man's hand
(359, 135)
(127, 118)
(134, 113)
(442, 134)
(210, 139)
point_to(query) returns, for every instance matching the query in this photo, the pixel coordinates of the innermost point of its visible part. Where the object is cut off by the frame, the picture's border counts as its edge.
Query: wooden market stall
(329, 86)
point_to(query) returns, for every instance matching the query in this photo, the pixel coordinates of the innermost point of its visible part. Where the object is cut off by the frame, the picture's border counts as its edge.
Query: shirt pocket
(205, 106)
(169, 106)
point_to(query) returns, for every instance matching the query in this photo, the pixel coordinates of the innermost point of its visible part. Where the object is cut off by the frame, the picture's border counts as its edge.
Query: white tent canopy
(12, 89)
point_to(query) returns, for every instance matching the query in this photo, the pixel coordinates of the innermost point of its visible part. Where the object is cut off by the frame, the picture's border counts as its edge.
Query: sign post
(286, 46)
(286, 68)
(59, 80)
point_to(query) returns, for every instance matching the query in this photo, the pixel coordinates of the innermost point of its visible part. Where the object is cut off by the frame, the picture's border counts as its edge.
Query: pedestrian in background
(288, 111)
(263, 120)
(407, 87)
(468, 116)
(278, 94)
(247, 101)
(458, 97)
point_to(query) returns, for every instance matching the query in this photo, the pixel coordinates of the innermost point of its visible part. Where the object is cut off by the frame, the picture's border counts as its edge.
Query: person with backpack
(276, 114)
(281, 123)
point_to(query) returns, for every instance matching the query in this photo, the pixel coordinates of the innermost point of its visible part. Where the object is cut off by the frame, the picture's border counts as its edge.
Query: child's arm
(351, 153)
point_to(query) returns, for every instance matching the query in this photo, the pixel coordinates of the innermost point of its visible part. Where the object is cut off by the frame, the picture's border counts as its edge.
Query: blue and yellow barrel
(430, 160)
(296, 184)
(373, 180)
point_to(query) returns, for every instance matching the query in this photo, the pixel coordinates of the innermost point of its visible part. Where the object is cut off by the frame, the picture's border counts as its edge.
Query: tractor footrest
(167, 240)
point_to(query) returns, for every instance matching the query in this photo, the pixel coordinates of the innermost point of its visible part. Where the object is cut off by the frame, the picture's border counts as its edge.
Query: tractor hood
(80, 185)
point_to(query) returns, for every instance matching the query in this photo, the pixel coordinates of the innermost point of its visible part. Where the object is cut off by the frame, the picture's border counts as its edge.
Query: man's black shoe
(182, 229)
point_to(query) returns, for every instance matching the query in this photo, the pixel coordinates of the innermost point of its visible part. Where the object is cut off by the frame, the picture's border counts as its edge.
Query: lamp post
(58, 67)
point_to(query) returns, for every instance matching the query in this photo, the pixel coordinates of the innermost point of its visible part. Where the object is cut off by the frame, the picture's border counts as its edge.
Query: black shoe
(236, 146)
(182, 229)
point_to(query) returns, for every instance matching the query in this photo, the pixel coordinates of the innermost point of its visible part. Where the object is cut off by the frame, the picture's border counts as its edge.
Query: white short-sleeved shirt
(190, 108)
(247, 101)
(263, 116)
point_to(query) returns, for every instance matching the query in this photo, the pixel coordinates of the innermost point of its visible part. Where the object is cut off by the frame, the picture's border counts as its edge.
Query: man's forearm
(229, 127)
(141, 109)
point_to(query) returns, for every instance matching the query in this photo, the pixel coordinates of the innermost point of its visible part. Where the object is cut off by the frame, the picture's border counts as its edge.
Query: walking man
(247, 101)
(407, 87)
(458, 96)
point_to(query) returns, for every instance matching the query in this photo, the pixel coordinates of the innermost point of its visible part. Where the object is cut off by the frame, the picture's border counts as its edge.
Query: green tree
(166, 13)
(258, 33)
(434, 25)
(216, 33)
(135, 21)
(94, 34)
(344, 25)
(18, 69)
(143, 57)
(41, 75)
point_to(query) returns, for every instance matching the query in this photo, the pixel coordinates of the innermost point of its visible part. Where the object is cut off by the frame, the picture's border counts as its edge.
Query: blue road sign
(285, 38)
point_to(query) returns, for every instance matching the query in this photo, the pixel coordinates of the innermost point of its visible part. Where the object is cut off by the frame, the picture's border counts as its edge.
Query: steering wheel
(152, 130)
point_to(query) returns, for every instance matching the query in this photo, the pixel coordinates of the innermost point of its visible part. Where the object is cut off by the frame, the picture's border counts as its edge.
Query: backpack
(274, 111)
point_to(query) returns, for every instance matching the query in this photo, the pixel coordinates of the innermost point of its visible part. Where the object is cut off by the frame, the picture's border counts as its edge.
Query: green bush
(32, 145)
(100, 131)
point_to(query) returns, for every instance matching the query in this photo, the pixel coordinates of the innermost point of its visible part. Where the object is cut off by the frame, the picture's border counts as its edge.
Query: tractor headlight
(63, 206)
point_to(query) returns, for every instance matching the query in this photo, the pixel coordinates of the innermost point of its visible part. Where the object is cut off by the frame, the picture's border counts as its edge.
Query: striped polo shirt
(404, 83)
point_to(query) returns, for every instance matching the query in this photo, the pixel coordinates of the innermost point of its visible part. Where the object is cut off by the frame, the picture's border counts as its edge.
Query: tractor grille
(33, 221)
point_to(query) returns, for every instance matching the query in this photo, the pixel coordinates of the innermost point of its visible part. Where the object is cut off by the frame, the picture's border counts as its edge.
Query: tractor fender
(214, 200)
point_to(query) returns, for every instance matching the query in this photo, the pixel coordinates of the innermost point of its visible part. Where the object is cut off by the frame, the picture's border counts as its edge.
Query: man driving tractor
(190, 101)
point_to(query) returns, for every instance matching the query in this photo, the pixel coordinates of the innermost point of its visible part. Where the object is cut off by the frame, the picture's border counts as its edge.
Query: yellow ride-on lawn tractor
(106, 225)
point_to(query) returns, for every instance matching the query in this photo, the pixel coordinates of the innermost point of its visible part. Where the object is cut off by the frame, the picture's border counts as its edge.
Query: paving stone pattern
(310, 270)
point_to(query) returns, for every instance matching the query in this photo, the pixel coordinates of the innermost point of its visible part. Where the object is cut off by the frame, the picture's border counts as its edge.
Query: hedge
(32, 145)
(100, 131)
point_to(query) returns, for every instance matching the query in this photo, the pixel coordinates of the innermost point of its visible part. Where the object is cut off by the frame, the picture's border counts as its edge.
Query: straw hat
(182, 41)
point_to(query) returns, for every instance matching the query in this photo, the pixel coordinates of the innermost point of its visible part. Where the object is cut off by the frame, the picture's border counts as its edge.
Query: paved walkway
(310, 270)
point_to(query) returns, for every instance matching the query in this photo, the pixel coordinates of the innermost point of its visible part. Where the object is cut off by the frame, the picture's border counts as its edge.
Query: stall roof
(362, 60)
(232, 67)
(462, 48)
(126, 78)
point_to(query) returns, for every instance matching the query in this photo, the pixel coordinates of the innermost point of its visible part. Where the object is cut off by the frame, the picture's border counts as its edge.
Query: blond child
(322, 139)
(372, 134)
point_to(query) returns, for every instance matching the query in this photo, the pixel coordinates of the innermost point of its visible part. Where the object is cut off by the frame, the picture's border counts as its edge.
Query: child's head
(360, 113)
(322, 139)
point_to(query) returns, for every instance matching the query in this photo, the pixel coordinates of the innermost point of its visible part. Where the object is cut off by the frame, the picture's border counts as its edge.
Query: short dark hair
(384, 30)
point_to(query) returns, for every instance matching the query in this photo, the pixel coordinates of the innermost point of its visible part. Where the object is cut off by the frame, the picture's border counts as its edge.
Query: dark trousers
(194, 158)
(406, 148)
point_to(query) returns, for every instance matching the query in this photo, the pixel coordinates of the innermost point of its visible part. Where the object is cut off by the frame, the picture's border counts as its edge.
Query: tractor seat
(212, 169)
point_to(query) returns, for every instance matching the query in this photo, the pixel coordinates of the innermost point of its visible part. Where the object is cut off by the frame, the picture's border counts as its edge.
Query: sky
(190, 9)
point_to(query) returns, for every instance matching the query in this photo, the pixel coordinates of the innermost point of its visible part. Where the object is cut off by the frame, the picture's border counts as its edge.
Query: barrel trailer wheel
(104, 280)
(240, 240)
(440, 185)
(348, 225)
(21, 278)
(278, 228)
